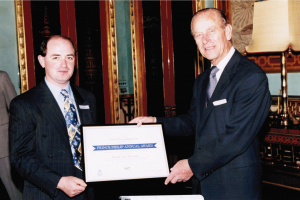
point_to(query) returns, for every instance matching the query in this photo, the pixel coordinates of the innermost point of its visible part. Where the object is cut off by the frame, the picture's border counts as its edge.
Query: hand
(71, 185)
(180, 172)
(140, 120)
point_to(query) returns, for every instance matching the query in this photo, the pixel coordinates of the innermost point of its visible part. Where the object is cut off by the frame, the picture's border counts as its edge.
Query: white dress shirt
(222, 64)
(55, 90)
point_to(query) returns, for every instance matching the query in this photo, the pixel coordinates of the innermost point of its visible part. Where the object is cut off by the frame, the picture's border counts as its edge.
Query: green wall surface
(122, 11)
(293, 83)
(8, 43)
(209, 3)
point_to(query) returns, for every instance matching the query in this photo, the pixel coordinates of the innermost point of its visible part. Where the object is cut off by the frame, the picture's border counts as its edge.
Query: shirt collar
(222, 64)
(55, 90)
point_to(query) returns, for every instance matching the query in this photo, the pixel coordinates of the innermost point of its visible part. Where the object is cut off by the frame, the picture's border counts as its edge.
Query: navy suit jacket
(226, 160)
(39, 143)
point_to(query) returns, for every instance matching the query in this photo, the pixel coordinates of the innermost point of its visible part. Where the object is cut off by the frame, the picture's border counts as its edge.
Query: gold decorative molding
(282, 185)
(215, 4)
(134, 60)
(200, 4)
(113, 62)
(21, 45)
(137, 59)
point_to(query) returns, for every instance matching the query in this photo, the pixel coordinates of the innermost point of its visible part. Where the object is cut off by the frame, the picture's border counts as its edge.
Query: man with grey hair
(230, 103)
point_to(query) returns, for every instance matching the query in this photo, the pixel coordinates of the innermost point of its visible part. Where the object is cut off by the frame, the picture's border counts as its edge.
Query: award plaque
(120, 152)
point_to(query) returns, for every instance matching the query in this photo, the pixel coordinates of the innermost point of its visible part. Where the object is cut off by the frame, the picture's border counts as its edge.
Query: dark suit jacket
(39, 143)
(226, 159)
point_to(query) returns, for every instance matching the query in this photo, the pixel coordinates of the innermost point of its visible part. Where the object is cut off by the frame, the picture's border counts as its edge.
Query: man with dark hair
(45, 138)
(230, 103)
(43, 46)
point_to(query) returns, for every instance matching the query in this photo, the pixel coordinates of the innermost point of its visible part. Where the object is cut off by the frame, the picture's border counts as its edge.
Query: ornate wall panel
(112, 62)
(134, 59)
(21, 46)
(242, 23)
(138, 58)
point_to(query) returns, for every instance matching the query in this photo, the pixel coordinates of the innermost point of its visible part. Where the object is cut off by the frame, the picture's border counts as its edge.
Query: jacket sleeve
(7, 89)
(185, 124)
(22, 137)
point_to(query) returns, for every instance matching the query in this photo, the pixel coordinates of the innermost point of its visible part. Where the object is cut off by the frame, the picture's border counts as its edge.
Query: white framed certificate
(121, 152)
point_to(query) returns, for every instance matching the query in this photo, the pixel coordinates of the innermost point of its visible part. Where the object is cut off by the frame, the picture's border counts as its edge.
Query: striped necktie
(212, 82)
(73, 127)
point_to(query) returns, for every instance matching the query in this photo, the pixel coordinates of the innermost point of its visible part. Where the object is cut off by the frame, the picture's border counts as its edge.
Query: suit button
(199, 148)
(50, 156)
(44, 135)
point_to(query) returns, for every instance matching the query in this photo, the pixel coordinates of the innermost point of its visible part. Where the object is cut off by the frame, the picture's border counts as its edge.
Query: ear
(228, 31)
(41, 60)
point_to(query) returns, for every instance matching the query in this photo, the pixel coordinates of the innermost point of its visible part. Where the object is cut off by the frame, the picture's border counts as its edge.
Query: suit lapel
(224, 81)
(222, 84)
(203, 95)
(52, 112)
(84, 114)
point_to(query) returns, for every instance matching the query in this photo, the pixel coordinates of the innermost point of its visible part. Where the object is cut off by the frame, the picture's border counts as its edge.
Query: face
(59, 61)
(212, 39)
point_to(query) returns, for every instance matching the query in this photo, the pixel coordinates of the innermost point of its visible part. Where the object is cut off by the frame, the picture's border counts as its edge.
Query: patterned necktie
(212, 82)
(73, 127)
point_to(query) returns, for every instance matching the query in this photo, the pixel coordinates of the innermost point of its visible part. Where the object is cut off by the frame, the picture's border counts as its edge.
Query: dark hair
(219, 13)
(43, 46)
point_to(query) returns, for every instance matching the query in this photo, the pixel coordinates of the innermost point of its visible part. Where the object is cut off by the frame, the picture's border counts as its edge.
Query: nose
(63, 62)
(205, 39)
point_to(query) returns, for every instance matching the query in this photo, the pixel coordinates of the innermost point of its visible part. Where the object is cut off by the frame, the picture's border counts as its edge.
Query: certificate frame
(123, 152)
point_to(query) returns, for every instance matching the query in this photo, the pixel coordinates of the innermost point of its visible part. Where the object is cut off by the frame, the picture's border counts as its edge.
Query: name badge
(84, 107)
(220, 102)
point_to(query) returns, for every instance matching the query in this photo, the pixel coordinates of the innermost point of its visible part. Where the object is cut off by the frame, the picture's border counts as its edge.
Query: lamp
(276, 28)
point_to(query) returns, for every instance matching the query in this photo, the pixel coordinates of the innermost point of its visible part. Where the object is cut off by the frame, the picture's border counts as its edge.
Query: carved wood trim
(104, 51)
(134, 59)
(138, 61)
(68, 27)
(168, 55)
(225, 6)
(112, 62)
(200, 4)
(199, 65)
(22, 57)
